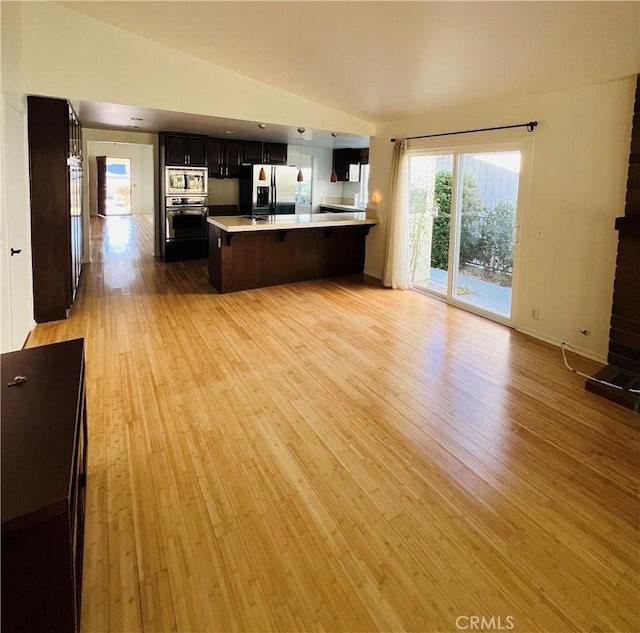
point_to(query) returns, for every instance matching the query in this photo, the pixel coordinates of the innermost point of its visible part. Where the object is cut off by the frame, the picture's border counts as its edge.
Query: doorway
(463, 223)
(114, 186)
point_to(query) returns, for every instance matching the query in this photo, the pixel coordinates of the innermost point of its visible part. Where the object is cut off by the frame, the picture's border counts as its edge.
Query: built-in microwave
(185, 181)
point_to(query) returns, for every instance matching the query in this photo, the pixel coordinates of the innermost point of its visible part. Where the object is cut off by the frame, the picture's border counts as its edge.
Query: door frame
(523, 144)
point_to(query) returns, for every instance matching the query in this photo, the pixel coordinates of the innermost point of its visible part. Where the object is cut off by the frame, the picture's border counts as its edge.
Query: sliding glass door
(463, 227)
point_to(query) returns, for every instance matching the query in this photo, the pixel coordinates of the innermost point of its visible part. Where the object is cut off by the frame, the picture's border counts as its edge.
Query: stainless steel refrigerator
(275, 195)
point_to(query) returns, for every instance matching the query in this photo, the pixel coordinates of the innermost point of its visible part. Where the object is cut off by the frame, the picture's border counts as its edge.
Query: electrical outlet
(534, 312)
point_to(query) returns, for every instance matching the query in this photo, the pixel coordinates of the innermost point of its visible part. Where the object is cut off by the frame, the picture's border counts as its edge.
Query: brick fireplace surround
(624, 339)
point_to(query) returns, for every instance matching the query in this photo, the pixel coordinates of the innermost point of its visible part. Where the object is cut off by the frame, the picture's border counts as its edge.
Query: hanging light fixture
(300, 176)
(334, 176)
(262, 175)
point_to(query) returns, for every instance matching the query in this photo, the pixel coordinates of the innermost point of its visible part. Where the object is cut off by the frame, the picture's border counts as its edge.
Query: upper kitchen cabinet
(55, 170)
(256, 152)
(184, 150)
(347, 164)
(232, 158)
(215, 158)
(252, 152)
(224, 158)
(275, 153)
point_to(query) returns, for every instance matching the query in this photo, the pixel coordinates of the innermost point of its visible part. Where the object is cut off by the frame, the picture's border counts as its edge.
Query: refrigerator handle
(274, 190)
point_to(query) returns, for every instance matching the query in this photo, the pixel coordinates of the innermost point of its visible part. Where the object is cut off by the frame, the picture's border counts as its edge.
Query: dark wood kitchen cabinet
(55, 169)
(44, 466)
(256, 153)
(184, 150)
(275, 153)
(215, 158)
(252, 152)
(224, 158)
(344, 159)
(232, 158)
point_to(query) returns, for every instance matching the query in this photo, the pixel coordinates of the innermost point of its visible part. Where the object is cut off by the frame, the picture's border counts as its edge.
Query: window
(363, 192)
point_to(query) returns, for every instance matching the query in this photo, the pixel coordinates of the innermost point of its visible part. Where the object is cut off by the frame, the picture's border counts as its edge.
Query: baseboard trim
(580, 351)
(371, 280)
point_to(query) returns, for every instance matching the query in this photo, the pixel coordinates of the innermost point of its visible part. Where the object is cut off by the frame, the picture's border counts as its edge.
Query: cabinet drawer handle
(18, 380)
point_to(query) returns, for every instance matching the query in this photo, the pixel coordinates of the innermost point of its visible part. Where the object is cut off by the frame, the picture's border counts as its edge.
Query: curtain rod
(530, 126)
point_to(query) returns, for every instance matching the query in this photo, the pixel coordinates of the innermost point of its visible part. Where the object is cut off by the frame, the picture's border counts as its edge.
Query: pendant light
(300, 176)
(334, 176)
(262, 175)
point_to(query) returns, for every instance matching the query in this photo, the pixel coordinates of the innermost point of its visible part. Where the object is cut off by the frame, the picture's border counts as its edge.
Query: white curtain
(396, 265)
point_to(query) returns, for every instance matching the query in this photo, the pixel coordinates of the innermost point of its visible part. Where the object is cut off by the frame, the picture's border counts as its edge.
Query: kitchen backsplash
(224, 191)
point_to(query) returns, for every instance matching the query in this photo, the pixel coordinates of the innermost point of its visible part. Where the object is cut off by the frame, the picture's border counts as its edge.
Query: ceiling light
(262, 126)
(229, 131)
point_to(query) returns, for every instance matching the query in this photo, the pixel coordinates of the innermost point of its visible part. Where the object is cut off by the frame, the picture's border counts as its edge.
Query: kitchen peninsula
(246, 253)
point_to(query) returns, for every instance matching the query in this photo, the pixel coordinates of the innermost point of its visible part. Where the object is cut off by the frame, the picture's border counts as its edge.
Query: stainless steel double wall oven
(185, 201)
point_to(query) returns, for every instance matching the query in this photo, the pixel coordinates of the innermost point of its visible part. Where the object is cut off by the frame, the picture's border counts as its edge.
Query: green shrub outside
(486, 234)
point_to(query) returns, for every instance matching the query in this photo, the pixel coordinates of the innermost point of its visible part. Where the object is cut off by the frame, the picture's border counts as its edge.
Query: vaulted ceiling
(384, 61)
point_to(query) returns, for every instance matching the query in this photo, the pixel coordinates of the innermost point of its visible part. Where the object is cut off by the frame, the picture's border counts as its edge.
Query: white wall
(223, 191)
(147, 184)
(322, 165)
(322, 185)
(142, 174)
(16, 284)
(578, 176)
(70, 55)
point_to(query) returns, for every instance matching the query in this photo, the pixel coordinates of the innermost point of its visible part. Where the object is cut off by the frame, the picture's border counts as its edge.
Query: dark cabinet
(256, 152)
(44, 466)
(224, 158)
(275, 153)
(215, 158)
(55, 169)
(252, 152)
(232, 158)
(184, 150)
(347, 163)
(101, 184)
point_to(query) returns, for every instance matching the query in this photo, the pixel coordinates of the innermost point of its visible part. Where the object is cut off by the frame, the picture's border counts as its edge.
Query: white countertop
(239, 223)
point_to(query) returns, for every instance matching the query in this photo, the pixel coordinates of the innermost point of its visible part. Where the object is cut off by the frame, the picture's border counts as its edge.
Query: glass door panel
(485, 230)
(430, 182)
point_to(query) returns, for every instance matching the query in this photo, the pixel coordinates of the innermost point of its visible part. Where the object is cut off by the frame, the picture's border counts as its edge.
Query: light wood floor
(333, 456)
